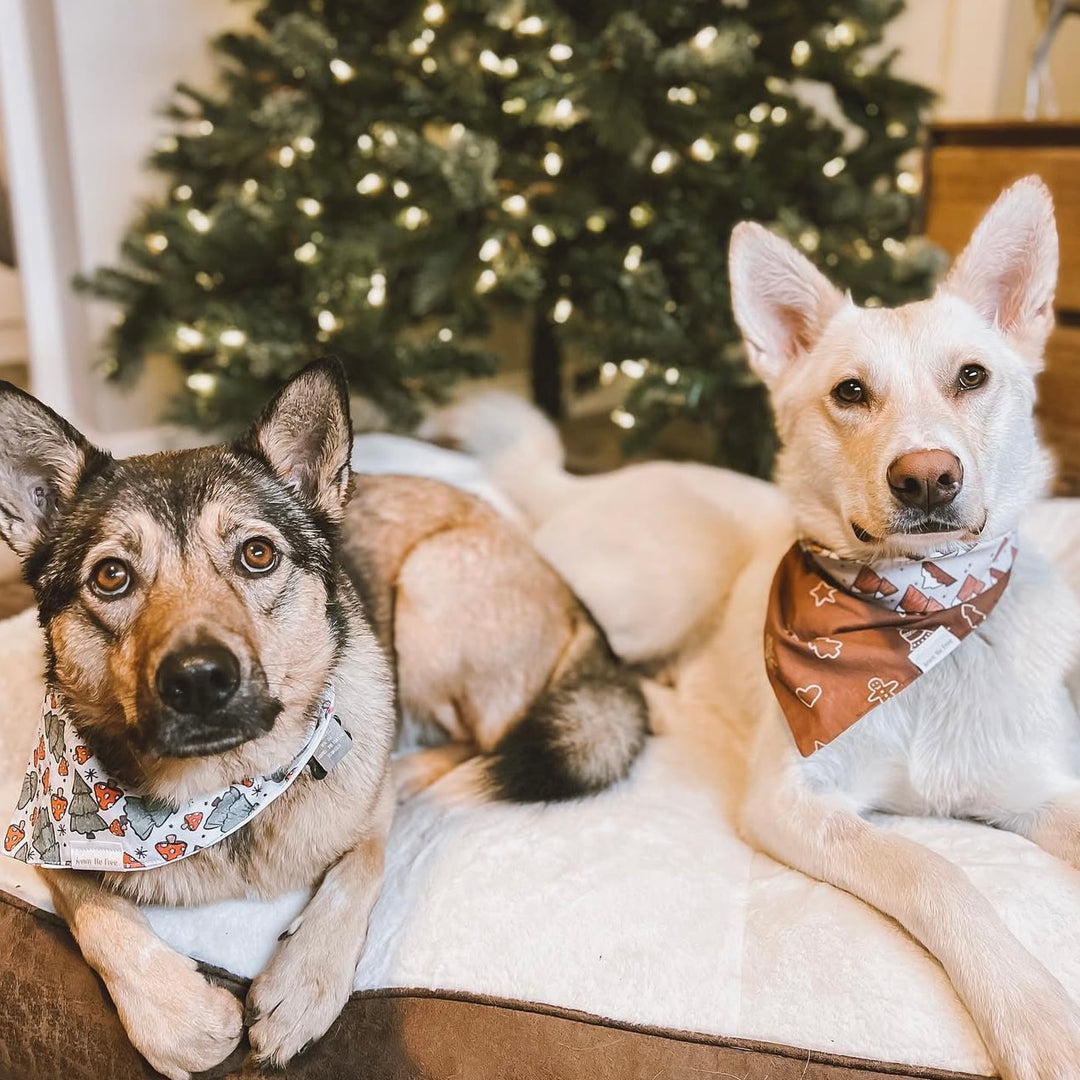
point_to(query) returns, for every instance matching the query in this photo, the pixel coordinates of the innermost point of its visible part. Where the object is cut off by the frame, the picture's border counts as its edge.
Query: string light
(682, 95)
(182, 192)
(232, 338)
(418, 46)
(622, 418)
(204, 280)
(515, 204)
(800, 53)
(490, 62)
(205, 127)
(457, 132)
(759, 112)
(564, 110)
(327, 321)
(376, 295)
(370, 184)
(412, 217)
(562, 310)
(896, 129)
(434, 14)
(778, 115)
(608, 370)
(596, 223)
(663, 161)
(167, 144)
(671, 376)
(187, 337)
(632, 260)
(907, 182)
(834, 167)
(702, 150)
(560, 52)
(201, 382)
(429, 65)
(553, 163)
(305, 144)
(633, 369)
(365, 143)
(531, 25)
(486, 281)
(250, 187)
(641, 215)
(156, 243)
(543, 235)
(388, 137)
(840, 35)
(746, 142)
(306, 252)
(705, 37)
(427, 34)
(809, 240)
(401, 189)
(286, 156)
(341, 70)
(894, 247)
(198, 220)
(311, 207)
(489, 249)
(514, 106)
(446, 334)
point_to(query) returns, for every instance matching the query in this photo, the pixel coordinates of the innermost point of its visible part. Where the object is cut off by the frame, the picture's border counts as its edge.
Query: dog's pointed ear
(781, 301)
(42, 459)
(1008, 271)
(305, 436)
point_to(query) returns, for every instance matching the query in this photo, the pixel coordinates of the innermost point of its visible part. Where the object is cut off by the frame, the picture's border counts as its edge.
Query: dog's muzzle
(201, 703)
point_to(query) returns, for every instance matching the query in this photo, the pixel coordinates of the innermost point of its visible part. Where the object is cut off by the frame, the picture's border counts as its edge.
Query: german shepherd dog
(195, 608)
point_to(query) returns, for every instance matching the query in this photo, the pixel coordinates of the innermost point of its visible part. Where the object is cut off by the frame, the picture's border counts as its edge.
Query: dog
(196, 606)
(909, 450)
(491, 649)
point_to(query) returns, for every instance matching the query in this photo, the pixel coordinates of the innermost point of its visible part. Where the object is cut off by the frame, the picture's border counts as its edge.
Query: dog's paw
(1042, 1041)
(178, 1021)
(299, 995)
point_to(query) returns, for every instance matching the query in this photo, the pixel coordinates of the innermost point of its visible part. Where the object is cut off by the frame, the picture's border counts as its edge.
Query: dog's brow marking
(98, 623)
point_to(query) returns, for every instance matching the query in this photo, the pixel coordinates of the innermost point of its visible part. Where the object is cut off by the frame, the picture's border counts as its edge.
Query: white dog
(909, 455)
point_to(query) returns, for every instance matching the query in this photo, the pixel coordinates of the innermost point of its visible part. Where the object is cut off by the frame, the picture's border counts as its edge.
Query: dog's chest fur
(987, 730)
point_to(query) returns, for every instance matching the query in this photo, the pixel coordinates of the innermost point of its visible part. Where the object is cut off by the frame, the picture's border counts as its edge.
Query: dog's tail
(580, 735)
(516, 443)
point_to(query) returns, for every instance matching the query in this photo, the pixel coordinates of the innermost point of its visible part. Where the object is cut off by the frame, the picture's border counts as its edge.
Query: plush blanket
(640, 905)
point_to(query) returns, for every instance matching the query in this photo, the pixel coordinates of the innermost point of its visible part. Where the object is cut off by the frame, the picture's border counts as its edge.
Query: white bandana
(71, 813)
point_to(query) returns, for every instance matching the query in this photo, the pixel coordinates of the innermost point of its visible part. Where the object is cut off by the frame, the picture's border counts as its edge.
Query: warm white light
(514, 106)
(671, 376)
(305, 144)
(446, 334)
(306, 252)
(564, 109)
(204, 280)
(634, 369)
(532, 25)
(434, 14)
(250, 187)
(663, 161)
(779, 115)
(562, 310)
(457, 132)
(388, 137)
(746, 142)
(418, 46)
(560, 52)
(156, 243)
(633, 258)
(840, 35)
(201, 382)
(759, 112)
(809, 240)
(490, 62)
(623, 419)
(365, 143)
(327, 320)
(204, 127)
(608, 370)
(682, 95)
(896, 129)
(800, 53)
(486, 281)
(286, 156)
(596, 223)
(543, 235)
(641, 215)
(429, 65)
(704, 37)
(509, 67)
(341, 70)
(489, 249)
(515, 204)
(198, 220)
(370, 184)
(427, 34)
(552, 163)
(401, 189)
(378, 279)
(894, 247)
(834, 167)
(311, 207)
(182, 192)
(166, 144)
(412, 217)
(907, 182)
(232, 338)
(702, 149)
(376, 296)
(187, 337)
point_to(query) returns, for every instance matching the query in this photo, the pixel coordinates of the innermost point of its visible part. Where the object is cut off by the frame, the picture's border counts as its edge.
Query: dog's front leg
(176, 1019)
(1054, 826)
(310, 977)
(1030, 1026)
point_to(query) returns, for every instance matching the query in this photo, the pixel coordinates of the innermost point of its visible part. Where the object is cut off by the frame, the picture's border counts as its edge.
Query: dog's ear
(1008, 271)
(782, 302)
(42, 459)
(305, 436)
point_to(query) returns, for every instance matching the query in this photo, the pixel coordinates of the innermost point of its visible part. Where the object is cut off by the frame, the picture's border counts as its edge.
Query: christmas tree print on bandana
(843, 637)
(71, 813)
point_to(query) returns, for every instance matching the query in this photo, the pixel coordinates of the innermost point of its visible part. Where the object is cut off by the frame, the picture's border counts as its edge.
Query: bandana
(842, 637)
(71, 813)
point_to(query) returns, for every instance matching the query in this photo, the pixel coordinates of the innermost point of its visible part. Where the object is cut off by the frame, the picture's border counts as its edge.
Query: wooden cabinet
(968, 166)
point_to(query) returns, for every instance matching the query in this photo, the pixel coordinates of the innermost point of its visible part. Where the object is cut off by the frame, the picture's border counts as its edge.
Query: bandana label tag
(934, 649)
(336, 743)
(103, 856)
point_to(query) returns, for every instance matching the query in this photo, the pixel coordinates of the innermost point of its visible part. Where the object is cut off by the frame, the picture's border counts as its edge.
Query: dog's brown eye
(110, 578)
(971, 375)
(849, 392)
(258, 555)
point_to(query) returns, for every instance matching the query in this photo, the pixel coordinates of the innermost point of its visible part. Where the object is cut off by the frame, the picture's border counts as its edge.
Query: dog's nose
(198, 679)
(925, 479)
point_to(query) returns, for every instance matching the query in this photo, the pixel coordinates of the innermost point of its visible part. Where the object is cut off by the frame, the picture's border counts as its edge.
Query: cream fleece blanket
(640, 905)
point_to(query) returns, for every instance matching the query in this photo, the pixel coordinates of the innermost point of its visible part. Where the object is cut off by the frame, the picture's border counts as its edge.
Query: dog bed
(628, 935)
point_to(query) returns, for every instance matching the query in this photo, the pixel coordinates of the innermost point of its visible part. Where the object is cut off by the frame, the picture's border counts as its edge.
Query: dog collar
(72, 814)
(843, 637)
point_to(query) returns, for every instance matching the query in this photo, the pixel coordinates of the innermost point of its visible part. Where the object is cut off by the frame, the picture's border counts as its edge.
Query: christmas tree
(374, 179)
(83, 816)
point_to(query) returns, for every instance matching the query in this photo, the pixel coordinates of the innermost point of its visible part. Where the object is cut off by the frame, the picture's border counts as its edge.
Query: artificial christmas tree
(374, 178)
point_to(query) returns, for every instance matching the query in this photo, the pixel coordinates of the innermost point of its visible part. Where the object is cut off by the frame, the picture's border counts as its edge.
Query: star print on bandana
(68, 817)
(871, 631)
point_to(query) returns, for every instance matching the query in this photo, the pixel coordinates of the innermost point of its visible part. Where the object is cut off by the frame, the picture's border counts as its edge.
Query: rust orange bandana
(842, 637)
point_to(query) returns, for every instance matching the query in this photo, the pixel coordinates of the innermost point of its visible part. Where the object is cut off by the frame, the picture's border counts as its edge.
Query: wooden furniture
(968, 164)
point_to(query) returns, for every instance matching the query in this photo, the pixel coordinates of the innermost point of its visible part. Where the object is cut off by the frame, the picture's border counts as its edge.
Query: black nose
(926, 479)
(198, 679)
